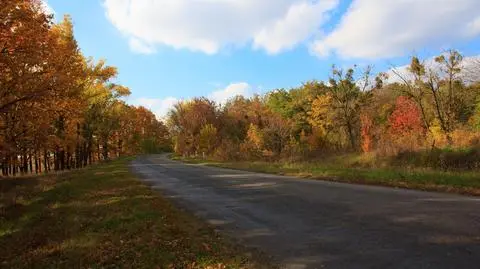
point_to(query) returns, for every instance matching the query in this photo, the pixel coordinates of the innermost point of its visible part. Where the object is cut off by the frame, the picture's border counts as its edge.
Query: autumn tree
(439, 88)
(366, 133)
(253, 144)
(322, 120)
(348, 96)
(208, 138)
(296, 104)
(475, 120)
(57, 108)
(186, 120)
(351, 112)
(26, 53)
(406, 118)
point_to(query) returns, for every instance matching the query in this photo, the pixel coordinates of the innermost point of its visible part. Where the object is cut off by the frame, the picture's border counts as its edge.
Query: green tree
(348, 98)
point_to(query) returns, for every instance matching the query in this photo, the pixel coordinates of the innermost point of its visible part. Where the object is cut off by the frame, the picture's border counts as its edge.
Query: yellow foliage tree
(208, 138)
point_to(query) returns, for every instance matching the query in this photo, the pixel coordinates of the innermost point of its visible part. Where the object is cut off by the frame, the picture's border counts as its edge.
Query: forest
(59, 109)
(89, 180)
(423, 115)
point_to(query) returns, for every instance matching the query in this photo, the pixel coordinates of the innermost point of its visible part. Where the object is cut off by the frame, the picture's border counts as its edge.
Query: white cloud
(473, 27)
(301, 21)
(160, 107)
(209, 25)
(381, 29)
(138, 46)
(232, 90)
(470, 70)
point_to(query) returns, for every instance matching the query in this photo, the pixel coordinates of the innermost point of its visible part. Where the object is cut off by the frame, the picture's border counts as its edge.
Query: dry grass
(103, 217)
(361, 169)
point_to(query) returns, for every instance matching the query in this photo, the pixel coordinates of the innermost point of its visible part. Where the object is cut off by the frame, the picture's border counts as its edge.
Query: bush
(227, 150)
(445, 159)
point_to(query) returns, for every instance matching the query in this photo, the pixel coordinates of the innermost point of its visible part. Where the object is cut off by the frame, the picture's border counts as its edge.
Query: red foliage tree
(366, 133)
(406, 118)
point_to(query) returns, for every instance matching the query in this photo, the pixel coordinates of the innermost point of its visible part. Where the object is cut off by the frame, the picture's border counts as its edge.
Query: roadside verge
(467, 183)
(104, 217)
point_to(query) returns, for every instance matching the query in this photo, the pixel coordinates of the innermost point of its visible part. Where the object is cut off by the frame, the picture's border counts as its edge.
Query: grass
(348, 170)
(104, 217)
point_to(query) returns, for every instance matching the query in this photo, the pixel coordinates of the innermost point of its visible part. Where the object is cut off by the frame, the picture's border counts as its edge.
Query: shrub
(227, 150)
(445, 159)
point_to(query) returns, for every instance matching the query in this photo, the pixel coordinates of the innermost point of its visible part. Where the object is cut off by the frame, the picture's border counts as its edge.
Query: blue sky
(167, 50)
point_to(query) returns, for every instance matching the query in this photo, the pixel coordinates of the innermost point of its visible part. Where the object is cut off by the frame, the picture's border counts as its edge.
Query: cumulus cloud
(140, 47)
(209, 25)
(232, 90)
(381, 29)
(473, 27)
(160, 107)
(470, 70)
(300, 22)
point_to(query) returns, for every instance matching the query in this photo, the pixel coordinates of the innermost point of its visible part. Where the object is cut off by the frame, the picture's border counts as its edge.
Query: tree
(235, 119)
(296, 104)
(208, 138)
(253, 145)
(57, 108)
(347, 100)
(322, 118)
(406, 118)
(414, 89)
(25, 53)
(475, 120)
(366, 132)
(279, 101)
(186, 120)
(440, 88)
(276, 133)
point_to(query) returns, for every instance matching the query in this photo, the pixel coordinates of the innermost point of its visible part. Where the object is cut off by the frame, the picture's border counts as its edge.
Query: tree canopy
(58, 109)
(432, 105)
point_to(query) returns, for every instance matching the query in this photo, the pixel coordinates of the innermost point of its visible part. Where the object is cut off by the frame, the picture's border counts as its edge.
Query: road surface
(316, 224)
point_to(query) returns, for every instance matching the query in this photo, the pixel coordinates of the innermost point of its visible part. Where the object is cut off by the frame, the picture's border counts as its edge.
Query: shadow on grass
(101, 217)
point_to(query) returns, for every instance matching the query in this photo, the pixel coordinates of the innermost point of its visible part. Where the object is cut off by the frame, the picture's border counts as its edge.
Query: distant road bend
(316, 224)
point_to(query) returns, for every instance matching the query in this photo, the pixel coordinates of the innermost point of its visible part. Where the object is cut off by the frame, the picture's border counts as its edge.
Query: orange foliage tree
(59, 110)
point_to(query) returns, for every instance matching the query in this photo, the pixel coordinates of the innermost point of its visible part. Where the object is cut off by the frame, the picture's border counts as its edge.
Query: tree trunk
(45, 162)
(99, 154)
(5, 166)
(78, 156)
(424, 115)
(67, 159)
(37, 164)
(55, 161)
(105, 149)
(351, 135)
(89, 153)
(14, 165)
(120, 142)
(25, 163)
(62, 160)
(30, 163)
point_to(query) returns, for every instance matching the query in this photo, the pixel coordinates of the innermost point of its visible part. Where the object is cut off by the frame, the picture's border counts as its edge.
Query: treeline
(58, 109)
(425, 108)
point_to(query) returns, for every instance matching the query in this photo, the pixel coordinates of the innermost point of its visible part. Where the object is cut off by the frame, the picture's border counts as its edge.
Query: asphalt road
(316, 224)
